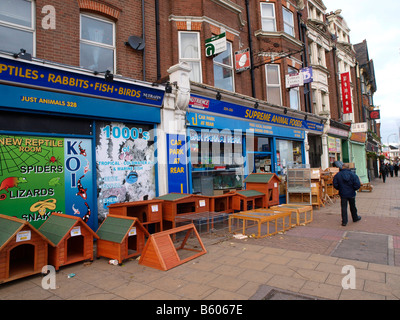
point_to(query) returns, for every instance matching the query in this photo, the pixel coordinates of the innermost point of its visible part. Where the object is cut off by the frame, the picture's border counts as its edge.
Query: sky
(378, 23)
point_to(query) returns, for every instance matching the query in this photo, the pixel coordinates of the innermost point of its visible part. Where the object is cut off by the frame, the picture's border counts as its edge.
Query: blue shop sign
(32, 74)
(177, 163)
(246, 113)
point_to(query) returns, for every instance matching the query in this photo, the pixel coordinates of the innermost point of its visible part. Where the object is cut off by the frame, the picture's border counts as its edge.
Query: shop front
(338, 142)
(72, 142)
(229, 141)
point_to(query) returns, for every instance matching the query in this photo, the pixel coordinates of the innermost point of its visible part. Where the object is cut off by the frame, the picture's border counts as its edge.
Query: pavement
(321, 260)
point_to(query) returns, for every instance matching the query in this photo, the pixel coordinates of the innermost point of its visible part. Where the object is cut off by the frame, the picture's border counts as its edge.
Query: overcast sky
(379, 24)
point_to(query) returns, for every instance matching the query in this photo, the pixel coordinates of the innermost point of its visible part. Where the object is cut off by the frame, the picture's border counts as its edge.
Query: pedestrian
(347, 182)
(396, 169)
(391, 169)
(382, 171)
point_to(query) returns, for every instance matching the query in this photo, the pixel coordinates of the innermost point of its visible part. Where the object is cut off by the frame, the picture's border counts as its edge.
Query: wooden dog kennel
(121, 238)
(267, 183)
(23, 249)
(161, 253)
(72, 237)
(149, 212)
(222, 203)
(247, 200)
(182, 203)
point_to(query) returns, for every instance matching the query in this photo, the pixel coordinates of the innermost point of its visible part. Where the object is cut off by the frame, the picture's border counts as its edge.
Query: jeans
(353, 209)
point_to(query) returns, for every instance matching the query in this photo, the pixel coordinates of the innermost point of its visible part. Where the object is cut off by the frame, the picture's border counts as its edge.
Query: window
(17, 26)
(223, 69)
(97, 44)
(273, 84)
(189, 51)
(288, 22)
(268, 17)
(294, 93)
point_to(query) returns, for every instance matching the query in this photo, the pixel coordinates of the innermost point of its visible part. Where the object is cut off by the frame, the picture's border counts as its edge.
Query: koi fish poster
(125, 164)
(42, 175)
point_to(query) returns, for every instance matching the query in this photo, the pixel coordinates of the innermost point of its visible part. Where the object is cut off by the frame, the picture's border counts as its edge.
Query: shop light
(218, 97)
(256, 105)
(23, 55)
(168, 88)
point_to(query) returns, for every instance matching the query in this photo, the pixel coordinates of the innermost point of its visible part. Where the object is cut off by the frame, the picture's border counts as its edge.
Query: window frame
(98, 44)
(31, 29)
(273, 18)
(230, 67)
(294, 91)
(286, 23)
(279, 85)
(191, 59)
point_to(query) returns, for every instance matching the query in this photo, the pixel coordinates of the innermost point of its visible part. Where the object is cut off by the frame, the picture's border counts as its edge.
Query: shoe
(358, 219)
(344, 224)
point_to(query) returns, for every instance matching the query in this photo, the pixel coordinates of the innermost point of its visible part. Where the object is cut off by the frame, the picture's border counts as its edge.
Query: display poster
(125, 164)
(42, 175)
(177, 163)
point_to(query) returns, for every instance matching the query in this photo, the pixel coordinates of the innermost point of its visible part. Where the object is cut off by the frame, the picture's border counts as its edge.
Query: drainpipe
(337, 83)
(158, 38)
(253, 89)
(144, 40)
(302, 32)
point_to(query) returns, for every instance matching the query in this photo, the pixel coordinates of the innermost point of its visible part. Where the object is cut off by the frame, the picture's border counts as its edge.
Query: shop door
(262, 163)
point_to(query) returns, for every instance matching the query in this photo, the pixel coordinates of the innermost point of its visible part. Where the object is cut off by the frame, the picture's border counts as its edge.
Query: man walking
(347, 182)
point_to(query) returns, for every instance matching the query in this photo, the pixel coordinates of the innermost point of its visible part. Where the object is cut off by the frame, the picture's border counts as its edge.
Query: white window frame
(274, 85)
(273, 18)
(31, 29)
(197, 60)
(99, 44)
(227, 66)
(286, 24)
(294, 91)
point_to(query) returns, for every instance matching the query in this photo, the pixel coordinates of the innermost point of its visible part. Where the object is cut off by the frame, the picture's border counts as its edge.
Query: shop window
(97, 44)
(17, 28)
(189, 52)
(273, 81)
(288, 155)
(268, 19)
(288, 22)
(217, 161)
(223, 69)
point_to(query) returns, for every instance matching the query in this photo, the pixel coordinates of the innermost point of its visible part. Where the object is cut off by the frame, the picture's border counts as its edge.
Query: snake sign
(41, 175)
(216, 45)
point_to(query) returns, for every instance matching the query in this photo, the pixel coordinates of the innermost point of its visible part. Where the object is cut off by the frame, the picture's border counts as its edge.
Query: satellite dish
(136, 43)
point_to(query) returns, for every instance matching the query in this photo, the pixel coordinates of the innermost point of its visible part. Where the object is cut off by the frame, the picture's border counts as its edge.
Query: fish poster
(42, 175)
(125, 162)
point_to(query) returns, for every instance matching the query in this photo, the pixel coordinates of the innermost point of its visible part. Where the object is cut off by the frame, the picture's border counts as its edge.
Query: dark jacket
(347, 182)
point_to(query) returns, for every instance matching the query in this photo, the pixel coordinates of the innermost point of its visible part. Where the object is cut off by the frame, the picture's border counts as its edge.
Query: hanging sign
(242, 60)
(374, 115)
(346, 92)
(215, 45)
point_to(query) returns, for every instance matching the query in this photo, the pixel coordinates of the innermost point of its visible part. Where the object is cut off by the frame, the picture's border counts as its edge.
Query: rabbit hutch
(72, 237)
(247, 200)
(267, 183)
(121, 238)
(176, 204)
(23, 249)
(149, 212)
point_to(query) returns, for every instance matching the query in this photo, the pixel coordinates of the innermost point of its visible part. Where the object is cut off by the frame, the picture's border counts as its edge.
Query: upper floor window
(294, 93)
(189, 51)
(223, 69)
(17, 26)
(268, 17)
(288, 21)
(273, 82)
(97, 44)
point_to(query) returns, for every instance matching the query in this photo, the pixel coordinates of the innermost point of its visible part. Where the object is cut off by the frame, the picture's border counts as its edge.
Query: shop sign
(251, 114)
(307, 74)
(294, 80)
(18, 72)
(199, 103)
(346, 92)
(41, 175)
(374, 115)
(177, 163)
(216, 45)
(242, 60)
(359, 127)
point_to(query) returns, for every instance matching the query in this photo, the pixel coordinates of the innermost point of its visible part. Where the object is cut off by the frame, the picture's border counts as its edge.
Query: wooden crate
(267, 183)
(121, 238)
(182, 203)
(303, 214)
(149, 212)
(265, 222)
(161, 253)
(72, 237)
(23, 249)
